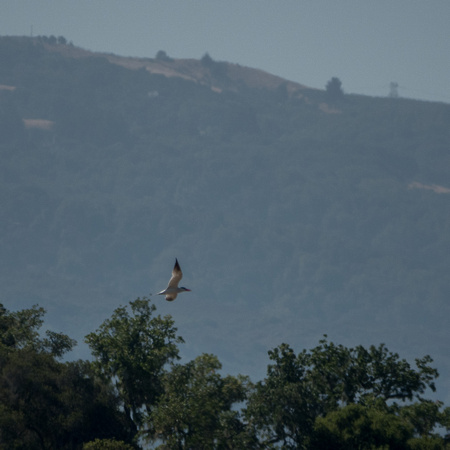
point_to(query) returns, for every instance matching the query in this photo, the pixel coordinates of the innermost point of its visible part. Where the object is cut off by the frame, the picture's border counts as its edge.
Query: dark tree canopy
(330, 396)
(195, 410)
(334, 90)
(132, 351)
(45, 403)
(308, 400)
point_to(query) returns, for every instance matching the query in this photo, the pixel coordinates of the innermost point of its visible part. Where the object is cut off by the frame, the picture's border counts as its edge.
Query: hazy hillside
(292, 215)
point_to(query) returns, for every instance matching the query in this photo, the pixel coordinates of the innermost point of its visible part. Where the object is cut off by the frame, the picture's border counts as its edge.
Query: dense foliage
(45, 403)
(132, 351)
(133, 392)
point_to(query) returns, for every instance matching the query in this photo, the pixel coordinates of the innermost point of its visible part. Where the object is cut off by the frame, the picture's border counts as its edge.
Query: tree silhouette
(334, 90)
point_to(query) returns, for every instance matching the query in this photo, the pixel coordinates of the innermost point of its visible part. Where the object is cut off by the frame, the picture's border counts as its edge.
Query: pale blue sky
(365, 43)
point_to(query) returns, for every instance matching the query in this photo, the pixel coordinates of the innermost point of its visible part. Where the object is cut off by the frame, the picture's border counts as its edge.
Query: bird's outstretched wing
(177, 275)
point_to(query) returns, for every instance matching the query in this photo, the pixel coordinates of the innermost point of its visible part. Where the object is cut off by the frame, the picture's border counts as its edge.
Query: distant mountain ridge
(197, 70)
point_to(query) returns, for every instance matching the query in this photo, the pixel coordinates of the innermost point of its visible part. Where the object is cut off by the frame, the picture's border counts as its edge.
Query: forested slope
(293, 213)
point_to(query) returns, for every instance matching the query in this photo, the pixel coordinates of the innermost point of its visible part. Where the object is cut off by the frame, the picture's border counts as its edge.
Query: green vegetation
(133, 351)
(46, 403)
(334, 90)
(133, 392)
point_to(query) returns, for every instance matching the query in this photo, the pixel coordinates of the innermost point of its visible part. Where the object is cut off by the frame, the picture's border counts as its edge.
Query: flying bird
(172, 289)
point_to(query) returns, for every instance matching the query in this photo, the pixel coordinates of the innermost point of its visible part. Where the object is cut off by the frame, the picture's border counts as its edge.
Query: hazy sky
(365, 43)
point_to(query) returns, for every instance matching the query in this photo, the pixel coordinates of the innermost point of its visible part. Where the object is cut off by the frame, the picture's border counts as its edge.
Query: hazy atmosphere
(366, 44)
(293, 156)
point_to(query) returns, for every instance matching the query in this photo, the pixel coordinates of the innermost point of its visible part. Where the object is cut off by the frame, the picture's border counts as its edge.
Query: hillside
(292, 215)
(216, 75)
